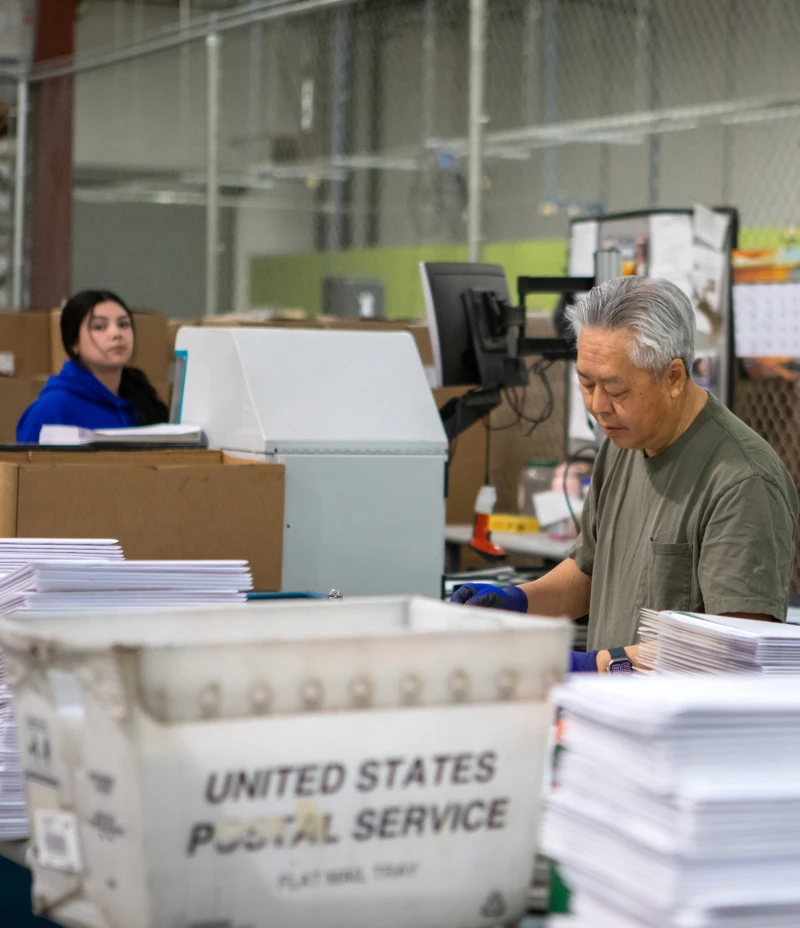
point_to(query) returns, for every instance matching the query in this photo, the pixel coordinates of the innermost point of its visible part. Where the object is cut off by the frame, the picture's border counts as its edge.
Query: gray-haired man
(689, 509)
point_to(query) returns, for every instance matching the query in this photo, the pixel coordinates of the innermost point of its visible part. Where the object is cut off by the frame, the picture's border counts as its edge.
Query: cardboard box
(467, 466)
(164, 391)
(24, 344)
(173, 325)
(160, 505)
(150, 354)
(234, 321)
(16, 395)
(419, 331)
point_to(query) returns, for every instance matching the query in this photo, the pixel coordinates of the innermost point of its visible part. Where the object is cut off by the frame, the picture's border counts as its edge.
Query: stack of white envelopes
(13, 819)
(678, 802)
(681, 642)
(17, 552)
(80, 586)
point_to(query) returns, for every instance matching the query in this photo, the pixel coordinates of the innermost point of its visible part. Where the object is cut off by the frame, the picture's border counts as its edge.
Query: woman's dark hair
(134, 386)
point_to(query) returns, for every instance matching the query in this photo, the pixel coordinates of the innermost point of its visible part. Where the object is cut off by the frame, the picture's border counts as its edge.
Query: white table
(536, 544)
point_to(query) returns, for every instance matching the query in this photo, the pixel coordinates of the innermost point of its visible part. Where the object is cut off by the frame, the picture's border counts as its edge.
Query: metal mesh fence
(7, 101)
(344, 127)
(341, 148)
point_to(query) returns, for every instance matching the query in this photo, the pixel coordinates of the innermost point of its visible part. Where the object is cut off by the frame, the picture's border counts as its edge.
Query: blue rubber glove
(580, 662)
(490, 596)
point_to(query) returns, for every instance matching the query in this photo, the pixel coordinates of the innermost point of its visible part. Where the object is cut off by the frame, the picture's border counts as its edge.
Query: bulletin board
(690, 247)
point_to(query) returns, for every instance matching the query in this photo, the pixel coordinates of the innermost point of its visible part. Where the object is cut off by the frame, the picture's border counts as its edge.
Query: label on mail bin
(440, 810)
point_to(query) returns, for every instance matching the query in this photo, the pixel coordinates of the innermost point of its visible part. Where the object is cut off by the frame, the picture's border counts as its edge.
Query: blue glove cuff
(517, 599)
(580, 662)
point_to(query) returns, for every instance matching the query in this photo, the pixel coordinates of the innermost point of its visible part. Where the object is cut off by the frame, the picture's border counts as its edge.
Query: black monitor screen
(444, 286)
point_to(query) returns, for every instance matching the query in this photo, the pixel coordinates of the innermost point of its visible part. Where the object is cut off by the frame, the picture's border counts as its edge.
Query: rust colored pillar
(50, 188)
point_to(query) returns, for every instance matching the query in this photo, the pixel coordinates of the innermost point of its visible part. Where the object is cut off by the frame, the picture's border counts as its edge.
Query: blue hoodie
(74, 397)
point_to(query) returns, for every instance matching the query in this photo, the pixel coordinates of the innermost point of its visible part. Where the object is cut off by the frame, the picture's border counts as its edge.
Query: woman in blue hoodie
(95, 389)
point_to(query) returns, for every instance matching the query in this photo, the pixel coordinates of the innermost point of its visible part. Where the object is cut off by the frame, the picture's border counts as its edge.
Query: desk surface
(536, 544)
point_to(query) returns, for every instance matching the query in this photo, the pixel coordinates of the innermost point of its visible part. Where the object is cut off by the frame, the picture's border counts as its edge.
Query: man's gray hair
(657, 312)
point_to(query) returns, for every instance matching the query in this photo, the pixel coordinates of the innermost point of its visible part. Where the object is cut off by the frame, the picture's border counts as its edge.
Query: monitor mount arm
(488, 318)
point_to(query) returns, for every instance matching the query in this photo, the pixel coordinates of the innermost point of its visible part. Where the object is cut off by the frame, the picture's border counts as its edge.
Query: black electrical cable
(582, 454)
(516, 399)
(508, 425)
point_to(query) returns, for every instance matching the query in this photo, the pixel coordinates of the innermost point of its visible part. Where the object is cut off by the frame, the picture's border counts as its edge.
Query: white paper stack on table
(166, 434)
(13, 818)
(17, 552)
(71, 586)
(682, 642)
(678, 802)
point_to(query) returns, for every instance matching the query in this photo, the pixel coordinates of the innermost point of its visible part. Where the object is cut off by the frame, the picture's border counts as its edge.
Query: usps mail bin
(347, 764)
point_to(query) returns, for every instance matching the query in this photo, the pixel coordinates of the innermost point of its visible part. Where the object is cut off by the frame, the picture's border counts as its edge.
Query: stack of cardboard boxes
(170, 504)
(25, 363)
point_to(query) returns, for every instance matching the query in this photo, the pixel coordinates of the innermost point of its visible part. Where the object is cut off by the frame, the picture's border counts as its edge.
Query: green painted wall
(296, 280)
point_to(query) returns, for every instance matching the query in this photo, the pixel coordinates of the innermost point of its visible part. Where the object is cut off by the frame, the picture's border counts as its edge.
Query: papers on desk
(70, 586)
(17, 552)
(83, 575)
(678, 801)
(146, 435)
(16, 555)
(678, 642)
(13, 818)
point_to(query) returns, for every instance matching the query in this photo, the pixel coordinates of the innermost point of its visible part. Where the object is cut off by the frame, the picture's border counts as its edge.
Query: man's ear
(676, 377)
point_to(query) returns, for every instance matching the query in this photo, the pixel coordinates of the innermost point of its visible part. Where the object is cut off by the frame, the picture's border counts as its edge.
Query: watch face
(623, 665)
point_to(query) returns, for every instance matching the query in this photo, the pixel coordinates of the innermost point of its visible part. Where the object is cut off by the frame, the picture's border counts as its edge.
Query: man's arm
(563, 592)
(604, 658)
(756, 616)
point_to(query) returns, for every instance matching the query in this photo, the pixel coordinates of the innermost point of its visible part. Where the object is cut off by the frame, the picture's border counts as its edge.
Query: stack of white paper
(680, 642)
(13, 819)
(17, 552)
(678, 802)
(167, 434)
(69, 586)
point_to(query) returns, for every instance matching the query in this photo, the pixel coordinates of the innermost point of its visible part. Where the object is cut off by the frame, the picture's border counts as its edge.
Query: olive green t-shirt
(707, 525)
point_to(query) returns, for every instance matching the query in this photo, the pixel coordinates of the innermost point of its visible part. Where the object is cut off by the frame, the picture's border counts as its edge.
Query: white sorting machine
(352, 417)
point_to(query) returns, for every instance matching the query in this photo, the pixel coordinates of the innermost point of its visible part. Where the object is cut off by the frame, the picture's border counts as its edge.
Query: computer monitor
(461, 300)
(353, 298)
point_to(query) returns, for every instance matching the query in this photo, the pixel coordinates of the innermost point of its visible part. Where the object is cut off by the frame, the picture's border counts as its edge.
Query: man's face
(630, 407)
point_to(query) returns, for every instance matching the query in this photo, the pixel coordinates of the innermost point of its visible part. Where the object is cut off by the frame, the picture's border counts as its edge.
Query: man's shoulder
(730, 440)
(735, 452)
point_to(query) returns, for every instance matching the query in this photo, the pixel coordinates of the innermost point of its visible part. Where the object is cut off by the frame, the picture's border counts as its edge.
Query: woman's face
(105, 340)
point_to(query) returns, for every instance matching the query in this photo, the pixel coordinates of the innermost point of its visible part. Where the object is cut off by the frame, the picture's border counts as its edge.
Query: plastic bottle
(565, 530)
(535, 477)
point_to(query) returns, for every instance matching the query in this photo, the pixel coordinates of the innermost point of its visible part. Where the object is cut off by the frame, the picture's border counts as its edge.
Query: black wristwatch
(620, 662)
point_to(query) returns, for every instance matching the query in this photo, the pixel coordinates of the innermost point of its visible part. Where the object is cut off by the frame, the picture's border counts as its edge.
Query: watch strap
(618, 654)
